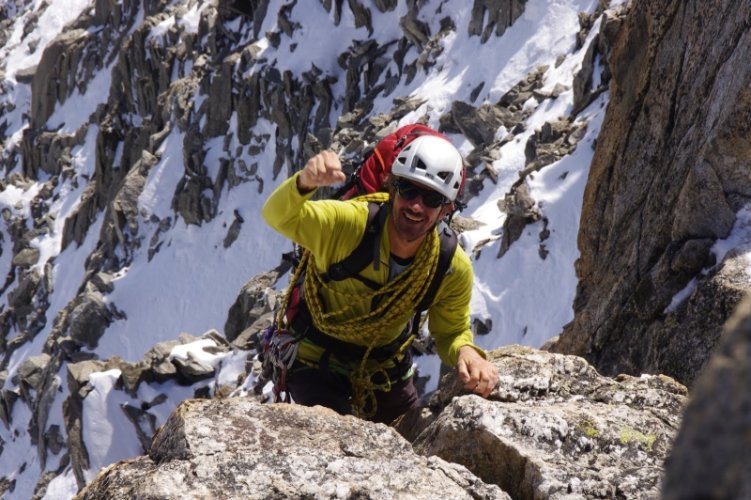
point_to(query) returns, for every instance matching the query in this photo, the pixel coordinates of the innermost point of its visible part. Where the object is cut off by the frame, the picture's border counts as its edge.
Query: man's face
(416, 209)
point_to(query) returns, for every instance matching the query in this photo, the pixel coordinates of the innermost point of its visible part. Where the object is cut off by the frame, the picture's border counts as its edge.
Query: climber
(350, 337)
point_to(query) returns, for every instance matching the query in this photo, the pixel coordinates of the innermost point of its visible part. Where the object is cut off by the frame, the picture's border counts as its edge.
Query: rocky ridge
(554, 428)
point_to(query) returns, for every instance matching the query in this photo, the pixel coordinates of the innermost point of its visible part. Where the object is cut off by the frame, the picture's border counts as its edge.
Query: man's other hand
(477, 373)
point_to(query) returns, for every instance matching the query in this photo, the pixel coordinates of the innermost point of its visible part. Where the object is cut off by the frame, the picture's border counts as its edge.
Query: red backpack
(370, 175)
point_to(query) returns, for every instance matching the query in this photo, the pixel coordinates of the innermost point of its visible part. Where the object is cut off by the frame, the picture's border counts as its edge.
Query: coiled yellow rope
(397, 298)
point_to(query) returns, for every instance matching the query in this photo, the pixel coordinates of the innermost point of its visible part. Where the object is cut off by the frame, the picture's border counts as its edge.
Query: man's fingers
(323, 169)
(328, 167)
(472, 378)
(462, 370)
(484, 387)
(481, 378)
(488, 382)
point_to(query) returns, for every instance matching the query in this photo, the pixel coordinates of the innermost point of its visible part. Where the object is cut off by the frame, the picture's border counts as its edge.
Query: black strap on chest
(368, 251)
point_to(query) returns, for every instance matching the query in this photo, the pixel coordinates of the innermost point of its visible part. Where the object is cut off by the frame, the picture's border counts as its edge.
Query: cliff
(668, 182)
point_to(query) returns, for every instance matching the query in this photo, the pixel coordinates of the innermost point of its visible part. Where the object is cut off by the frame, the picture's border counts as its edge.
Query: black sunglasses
(430, 198)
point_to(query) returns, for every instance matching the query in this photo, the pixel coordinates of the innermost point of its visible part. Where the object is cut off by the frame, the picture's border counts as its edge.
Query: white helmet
(432, 161)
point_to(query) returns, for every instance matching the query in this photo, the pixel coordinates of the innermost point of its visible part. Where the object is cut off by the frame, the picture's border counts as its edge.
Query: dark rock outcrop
(710, 457)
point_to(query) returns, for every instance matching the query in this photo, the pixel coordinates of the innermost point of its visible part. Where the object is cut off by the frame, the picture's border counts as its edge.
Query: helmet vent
(419, 164)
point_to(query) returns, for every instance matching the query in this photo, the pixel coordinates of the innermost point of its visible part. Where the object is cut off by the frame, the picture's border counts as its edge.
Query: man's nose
(418, 201)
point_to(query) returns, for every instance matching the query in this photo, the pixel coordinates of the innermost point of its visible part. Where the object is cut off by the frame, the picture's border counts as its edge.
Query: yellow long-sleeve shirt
(332, 229)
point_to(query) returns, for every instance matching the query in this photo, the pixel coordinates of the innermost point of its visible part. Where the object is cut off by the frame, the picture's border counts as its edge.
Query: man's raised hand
(324, 169)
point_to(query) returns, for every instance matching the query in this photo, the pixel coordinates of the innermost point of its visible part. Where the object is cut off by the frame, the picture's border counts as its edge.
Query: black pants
(311, 386)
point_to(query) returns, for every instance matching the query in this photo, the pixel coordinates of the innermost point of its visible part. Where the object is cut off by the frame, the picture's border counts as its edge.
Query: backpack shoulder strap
(448, 242)
(366, 251)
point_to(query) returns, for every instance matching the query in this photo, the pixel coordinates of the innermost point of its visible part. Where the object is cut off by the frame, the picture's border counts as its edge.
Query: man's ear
(447, 210)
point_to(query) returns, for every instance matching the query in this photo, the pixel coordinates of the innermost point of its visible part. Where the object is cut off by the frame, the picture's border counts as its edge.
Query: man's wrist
(471, 348)
(302, 188)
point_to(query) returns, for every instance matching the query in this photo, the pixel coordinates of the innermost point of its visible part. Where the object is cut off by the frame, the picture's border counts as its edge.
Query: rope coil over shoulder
(395, 299)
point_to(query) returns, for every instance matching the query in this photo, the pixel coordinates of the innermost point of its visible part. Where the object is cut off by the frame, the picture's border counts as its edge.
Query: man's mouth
(412, 217)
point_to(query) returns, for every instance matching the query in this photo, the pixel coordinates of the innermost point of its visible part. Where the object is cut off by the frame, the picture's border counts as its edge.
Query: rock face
(554, 428)
(236, 448)
(710, 458)
(670, 172)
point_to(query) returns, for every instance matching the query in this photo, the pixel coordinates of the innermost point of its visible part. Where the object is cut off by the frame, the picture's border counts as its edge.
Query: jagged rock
(461, 224)
(193, 370)
(157, 367)
(479, 125)
(499, 15)
(236, 447)
(657, 174)
(249, 338)
(121, 220)
(415, 30)
(54, 439)
(158, 359)
(132, 374)
(554, 428)
(89, 319)
(143, 422)
(42, 407)
(31, 371)
(7, 400)
(547, 145)
(50, 81)
(684, 342)
(514, 99)
(49, 152)
(234, 230)
(20, 298)
(584, 91)
(26, 257)
(519, 203)
(220, 108)
(520, 209)
(550, 143)
(256, 299)
(77, 224)
(710, 457)
(103, 282)
(362, 15)
(18, 180)
(80, 373)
